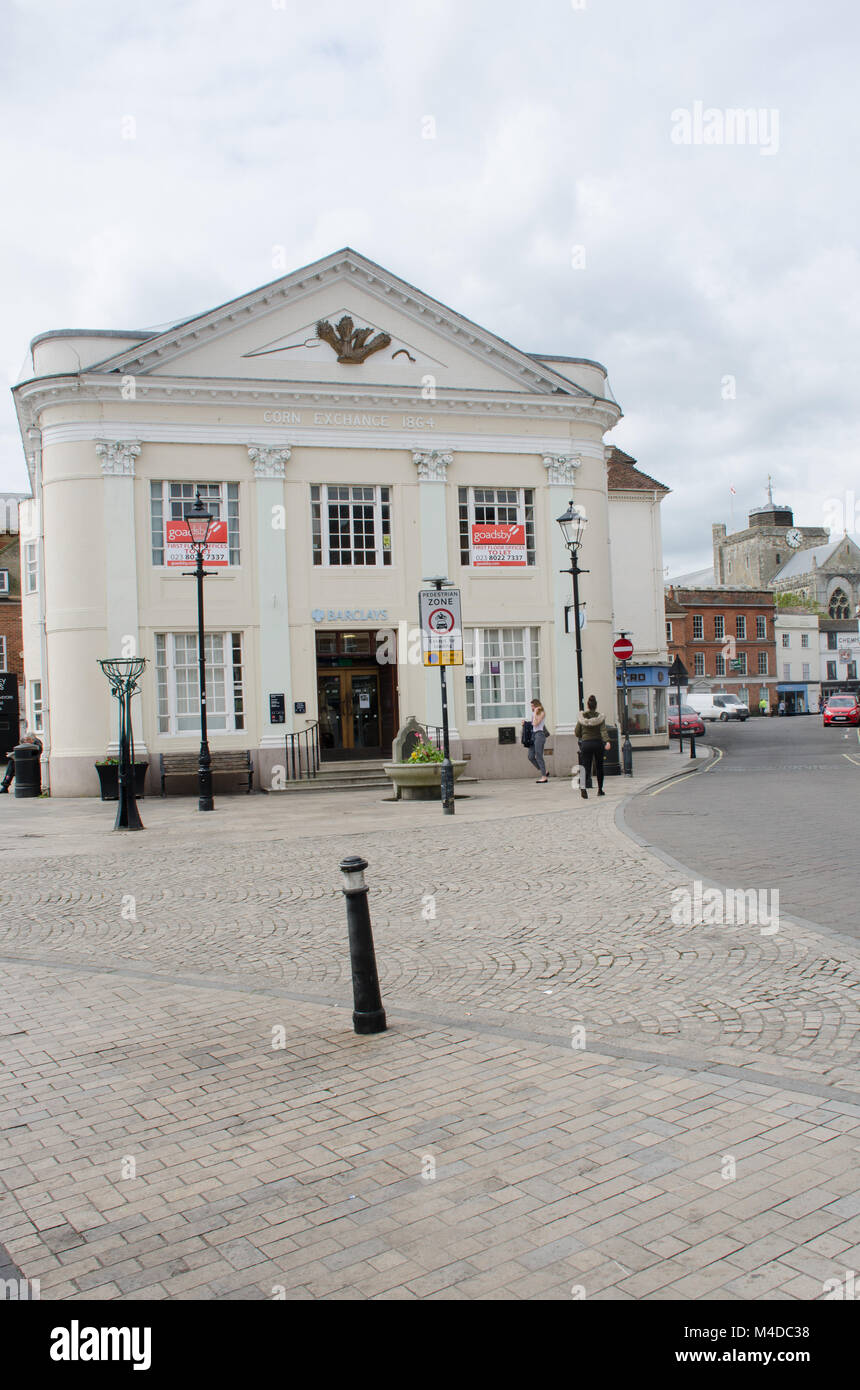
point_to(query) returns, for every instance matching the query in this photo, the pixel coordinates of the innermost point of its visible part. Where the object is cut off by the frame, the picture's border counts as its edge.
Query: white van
(705, 706)
(735, 708)
(718, 705)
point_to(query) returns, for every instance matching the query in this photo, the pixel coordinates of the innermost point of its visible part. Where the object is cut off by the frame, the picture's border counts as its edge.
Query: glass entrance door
(348, 703)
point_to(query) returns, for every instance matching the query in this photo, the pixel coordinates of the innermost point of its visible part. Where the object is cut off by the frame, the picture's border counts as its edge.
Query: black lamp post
(573, 524)
(199, 521)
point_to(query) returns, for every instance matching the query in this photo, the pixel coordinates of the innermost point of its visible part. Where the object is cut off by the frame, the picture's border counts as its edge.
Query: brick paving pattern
(576, 1096)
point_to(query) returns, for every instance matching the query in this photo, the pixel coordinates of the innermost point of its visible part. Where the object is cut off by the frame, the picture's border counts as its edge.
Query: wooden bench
(236, 762)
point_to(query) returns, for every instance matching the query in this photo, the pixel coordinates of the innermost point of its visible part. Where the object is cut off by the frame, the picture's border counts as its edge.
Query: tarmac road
(779, 809)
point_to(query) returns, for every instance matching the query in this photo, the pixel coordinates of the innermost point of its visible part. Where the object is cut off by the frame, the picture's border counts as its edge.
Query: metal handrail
(303, 753)
(435, 734)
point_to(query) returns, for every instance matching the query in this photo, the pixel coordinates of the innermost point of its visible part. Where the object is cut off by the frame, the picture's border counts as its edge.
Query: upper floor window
(720, 664)
(761, 627)
(178, 682)
(804, 639)
(851, 674)
(719, 627)
(762, 663)
(831, 670)
(740, 663)
(698, 627)
(2, 652)
(31, 567)
(173, 501)
(668, 631)
(4, 581)
(37, 713)
(805, 670)
(839, 605)
(832, 641)
(497, 526)
(786, 639)
(699, 664)
(351, 525)
(741, 627)
(786, 670)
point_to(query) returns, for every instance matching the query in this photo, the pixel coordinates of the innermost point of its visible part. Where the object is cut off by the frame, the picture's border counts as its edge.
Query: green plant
(108, 762)
(426, 753)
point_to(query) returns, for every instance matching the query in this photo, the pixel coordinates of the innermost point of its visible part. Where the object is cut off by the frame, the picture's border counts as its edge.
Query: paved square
(575, 1097)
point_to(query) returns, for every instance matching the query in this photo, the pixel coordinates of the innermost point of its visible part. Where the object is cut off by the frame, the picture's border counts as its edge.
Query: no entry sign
(623, 649)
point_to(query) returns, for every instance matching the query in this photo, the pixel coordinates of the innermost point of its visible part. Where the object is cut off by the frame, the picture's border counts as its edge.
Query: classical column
(121, 605)
(561, 476)
(432, 466)
(274, 631)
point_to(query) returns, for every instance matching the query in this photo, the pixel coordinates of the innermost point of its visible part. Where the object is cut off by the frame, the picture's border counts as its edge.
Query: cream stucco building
(353, 436)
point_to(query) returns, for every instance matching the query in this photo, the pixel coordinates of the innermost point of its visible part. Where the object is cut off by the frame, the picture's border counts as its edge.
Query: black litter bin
(28, 770)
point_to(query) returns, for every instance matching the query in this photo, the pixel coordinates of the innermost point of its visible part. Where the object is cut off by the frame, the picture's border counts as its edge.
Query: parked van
(736, 709)
(705, 706)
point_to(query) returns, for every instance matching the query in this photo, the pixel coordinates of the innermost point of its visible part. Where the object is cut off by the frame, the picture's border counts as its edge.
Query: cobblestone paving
(702, 1142)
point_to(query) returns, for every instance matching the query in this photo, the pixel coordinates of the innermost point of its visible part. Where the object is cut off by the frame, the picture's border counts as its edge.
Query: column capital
(561, 468)
(269, 463)
(118, 457)
(432, 464)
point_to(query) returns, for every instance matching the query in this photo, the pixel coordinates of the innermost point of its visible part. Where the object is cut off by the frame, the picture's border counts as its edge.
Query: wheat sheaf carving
(351, 343)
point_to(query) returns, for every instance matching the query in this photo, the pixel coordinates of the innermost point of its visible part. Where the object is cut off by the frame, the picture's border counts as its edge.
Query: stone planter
(109, 780)
(420, 781)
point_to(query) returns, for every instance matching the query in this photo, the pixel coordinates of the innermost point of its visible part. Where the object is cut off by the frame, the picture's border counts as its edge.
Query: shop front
(356, 696)
(647, 695)
(794, 697)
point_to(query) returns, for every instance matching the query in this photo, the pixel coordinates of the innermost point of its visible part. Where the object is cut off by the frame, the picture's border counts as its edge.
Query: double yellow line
(697, 772)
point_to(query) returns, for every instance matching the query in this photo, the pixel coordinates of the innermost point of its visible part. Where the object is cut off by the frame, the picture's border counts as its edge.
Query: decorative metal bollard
(692, 745)
(368, 1014)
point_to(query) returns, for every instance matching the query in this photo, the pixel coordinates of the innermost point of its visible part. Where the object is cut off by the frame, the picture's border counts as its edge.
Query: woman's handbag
(527, 737)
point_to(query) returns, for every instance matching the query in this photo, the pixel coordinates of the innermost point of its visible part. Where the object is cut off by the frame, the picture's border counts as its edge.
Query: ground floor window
(36, 711)
(502, 672)
(646, 711)
(177, 676)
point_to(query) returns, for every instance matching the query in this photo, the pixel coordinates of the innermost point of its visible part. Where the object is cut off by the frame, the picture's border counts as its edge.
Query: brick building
(11, 636)
(725, 638)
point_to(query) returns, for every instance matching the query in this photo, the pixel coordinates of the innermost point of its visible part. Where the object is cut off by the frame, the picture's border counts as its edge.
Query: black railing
(303, 753)
(435, 734)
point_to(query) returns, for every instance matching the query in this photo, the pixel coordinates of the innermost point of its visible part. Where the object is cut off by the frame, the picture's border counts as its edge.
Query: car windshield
(842, 702)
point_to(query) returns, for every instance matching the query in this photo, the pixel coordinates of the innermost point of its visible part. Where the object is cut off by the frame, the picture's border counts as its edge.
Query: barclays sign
(349, 615)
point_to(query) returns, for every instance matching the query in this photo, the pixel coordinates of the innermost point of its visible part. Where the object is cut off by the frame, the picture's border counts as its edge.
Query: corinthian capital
(561, 468)
(268, 463)
(118, 457)
(432, 464)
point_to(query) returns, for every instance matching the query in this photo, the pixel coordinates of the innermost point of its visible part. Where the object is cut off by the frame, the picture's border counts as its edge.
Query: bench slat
(227, 760)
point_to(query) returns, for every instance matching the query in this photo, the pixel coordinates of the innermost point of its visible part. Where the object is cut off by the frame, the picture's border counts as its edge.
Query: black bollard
(692, 745)
(368, 1015)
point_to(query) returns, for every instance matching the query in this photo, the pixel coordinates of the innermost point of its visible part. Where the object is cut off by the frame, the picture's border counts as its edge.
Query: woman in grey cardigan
(539, 737)
(593, 738)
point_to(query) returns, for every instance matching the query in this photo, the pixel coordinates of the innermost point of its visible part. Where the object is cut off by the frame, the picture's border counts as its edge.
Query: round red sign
(623, 649)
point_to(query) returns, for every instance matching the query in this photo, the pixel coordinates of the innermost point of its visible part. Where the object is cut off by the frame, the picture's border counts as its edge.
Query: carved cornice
(118, 457)
(432, 464)
(268, 463)
(561, 468)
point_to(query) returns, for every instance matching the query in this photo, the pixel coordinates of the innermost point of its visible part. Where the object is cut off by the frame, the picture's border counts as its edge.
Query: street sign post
(622, 651)
(441, 625)
(678, 677)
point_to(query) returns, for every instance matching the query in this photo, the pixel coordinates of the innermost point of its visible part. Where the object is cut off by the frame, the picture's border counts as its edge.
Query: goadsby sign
(498, 543)
(178, 549)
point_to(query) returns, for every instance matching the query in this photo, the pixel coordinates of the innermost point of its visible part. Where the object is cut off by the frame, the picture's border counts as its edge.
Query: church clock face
(794, 538)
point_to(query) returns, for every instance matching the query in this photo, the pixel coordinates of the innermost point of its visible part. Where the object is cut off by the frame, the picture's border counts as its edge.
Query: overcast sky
(718, 282)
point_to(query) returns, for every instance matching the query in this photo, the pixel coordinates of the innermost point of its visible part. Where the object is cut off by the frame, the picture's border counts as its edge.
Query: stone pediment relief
(351, 337)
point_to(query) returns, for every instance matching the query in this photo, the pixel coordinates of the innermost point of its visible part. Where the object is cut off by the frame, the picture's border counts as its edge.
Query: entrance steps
(343, 777)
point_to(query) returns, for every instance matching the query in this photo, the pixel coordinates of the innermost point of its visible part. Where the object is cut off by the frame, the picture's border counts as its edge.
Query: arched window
(839, 605)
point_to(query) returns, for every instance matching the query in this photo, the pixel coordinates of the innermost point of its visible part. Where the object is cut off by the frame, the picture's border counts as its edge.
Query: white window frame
(525, 517)
(804, 639)
(740, 627)
(37, 710)
(761, 627)
(3, 666)
(31, 567)
(699, 664)
(5, 583)
(381, 501)
(805, 668)
(669, 637)
(762, 664)
(165, 506)
(698, 627)
(480, 642)
(225, 685)
(719, 627)
(720, 665)
(786, 639)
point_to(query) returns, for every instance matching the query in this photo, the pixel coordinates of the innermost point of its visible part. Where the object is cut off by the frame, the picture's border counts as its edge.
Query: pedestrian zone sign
(441, 627)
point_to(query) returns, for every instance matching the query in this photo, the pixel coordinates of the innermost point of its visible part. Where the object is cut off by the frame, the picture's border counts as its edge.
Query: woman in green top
(593, 738)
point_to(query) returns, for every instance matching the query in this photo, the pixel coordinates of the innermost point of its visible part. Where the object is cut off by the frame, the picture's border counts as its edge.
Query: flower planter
(109, 780)
(419, 781)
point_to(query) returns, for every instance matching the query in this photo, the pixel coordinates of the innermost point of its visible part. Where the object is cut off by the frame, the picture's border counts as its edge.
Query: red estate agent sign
(623, 649)
(498, 544)
(178, 549)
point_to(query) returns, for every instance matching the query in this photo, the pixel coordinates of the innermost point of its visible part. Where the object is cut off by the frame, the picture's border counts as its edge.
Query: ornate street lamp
(198, 522)
(573, 524)
(123, 673)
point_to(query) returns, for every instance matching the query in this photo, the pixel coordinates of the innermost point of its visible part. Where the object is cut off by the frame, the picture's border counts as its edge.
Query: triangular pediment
(343, 320)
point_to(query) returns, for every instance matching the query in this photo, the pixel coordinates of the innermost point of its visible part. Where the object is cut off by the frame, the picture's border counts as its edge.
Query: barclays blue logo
(318, 614)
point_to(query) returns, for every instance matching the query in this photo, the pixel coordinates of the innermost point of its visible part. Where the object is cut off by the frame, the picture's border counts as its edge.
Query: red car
(842, 709)
(690, 722)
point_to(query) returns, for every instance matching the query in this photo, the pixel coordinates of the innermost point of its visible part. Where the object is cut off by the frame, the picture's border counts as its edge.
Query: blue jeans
(536, 752)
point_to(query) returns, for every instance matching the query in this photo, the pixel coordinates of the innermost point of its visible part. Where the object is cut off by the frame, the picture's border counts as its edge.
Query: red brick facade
(712, 627)
(10, 608)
